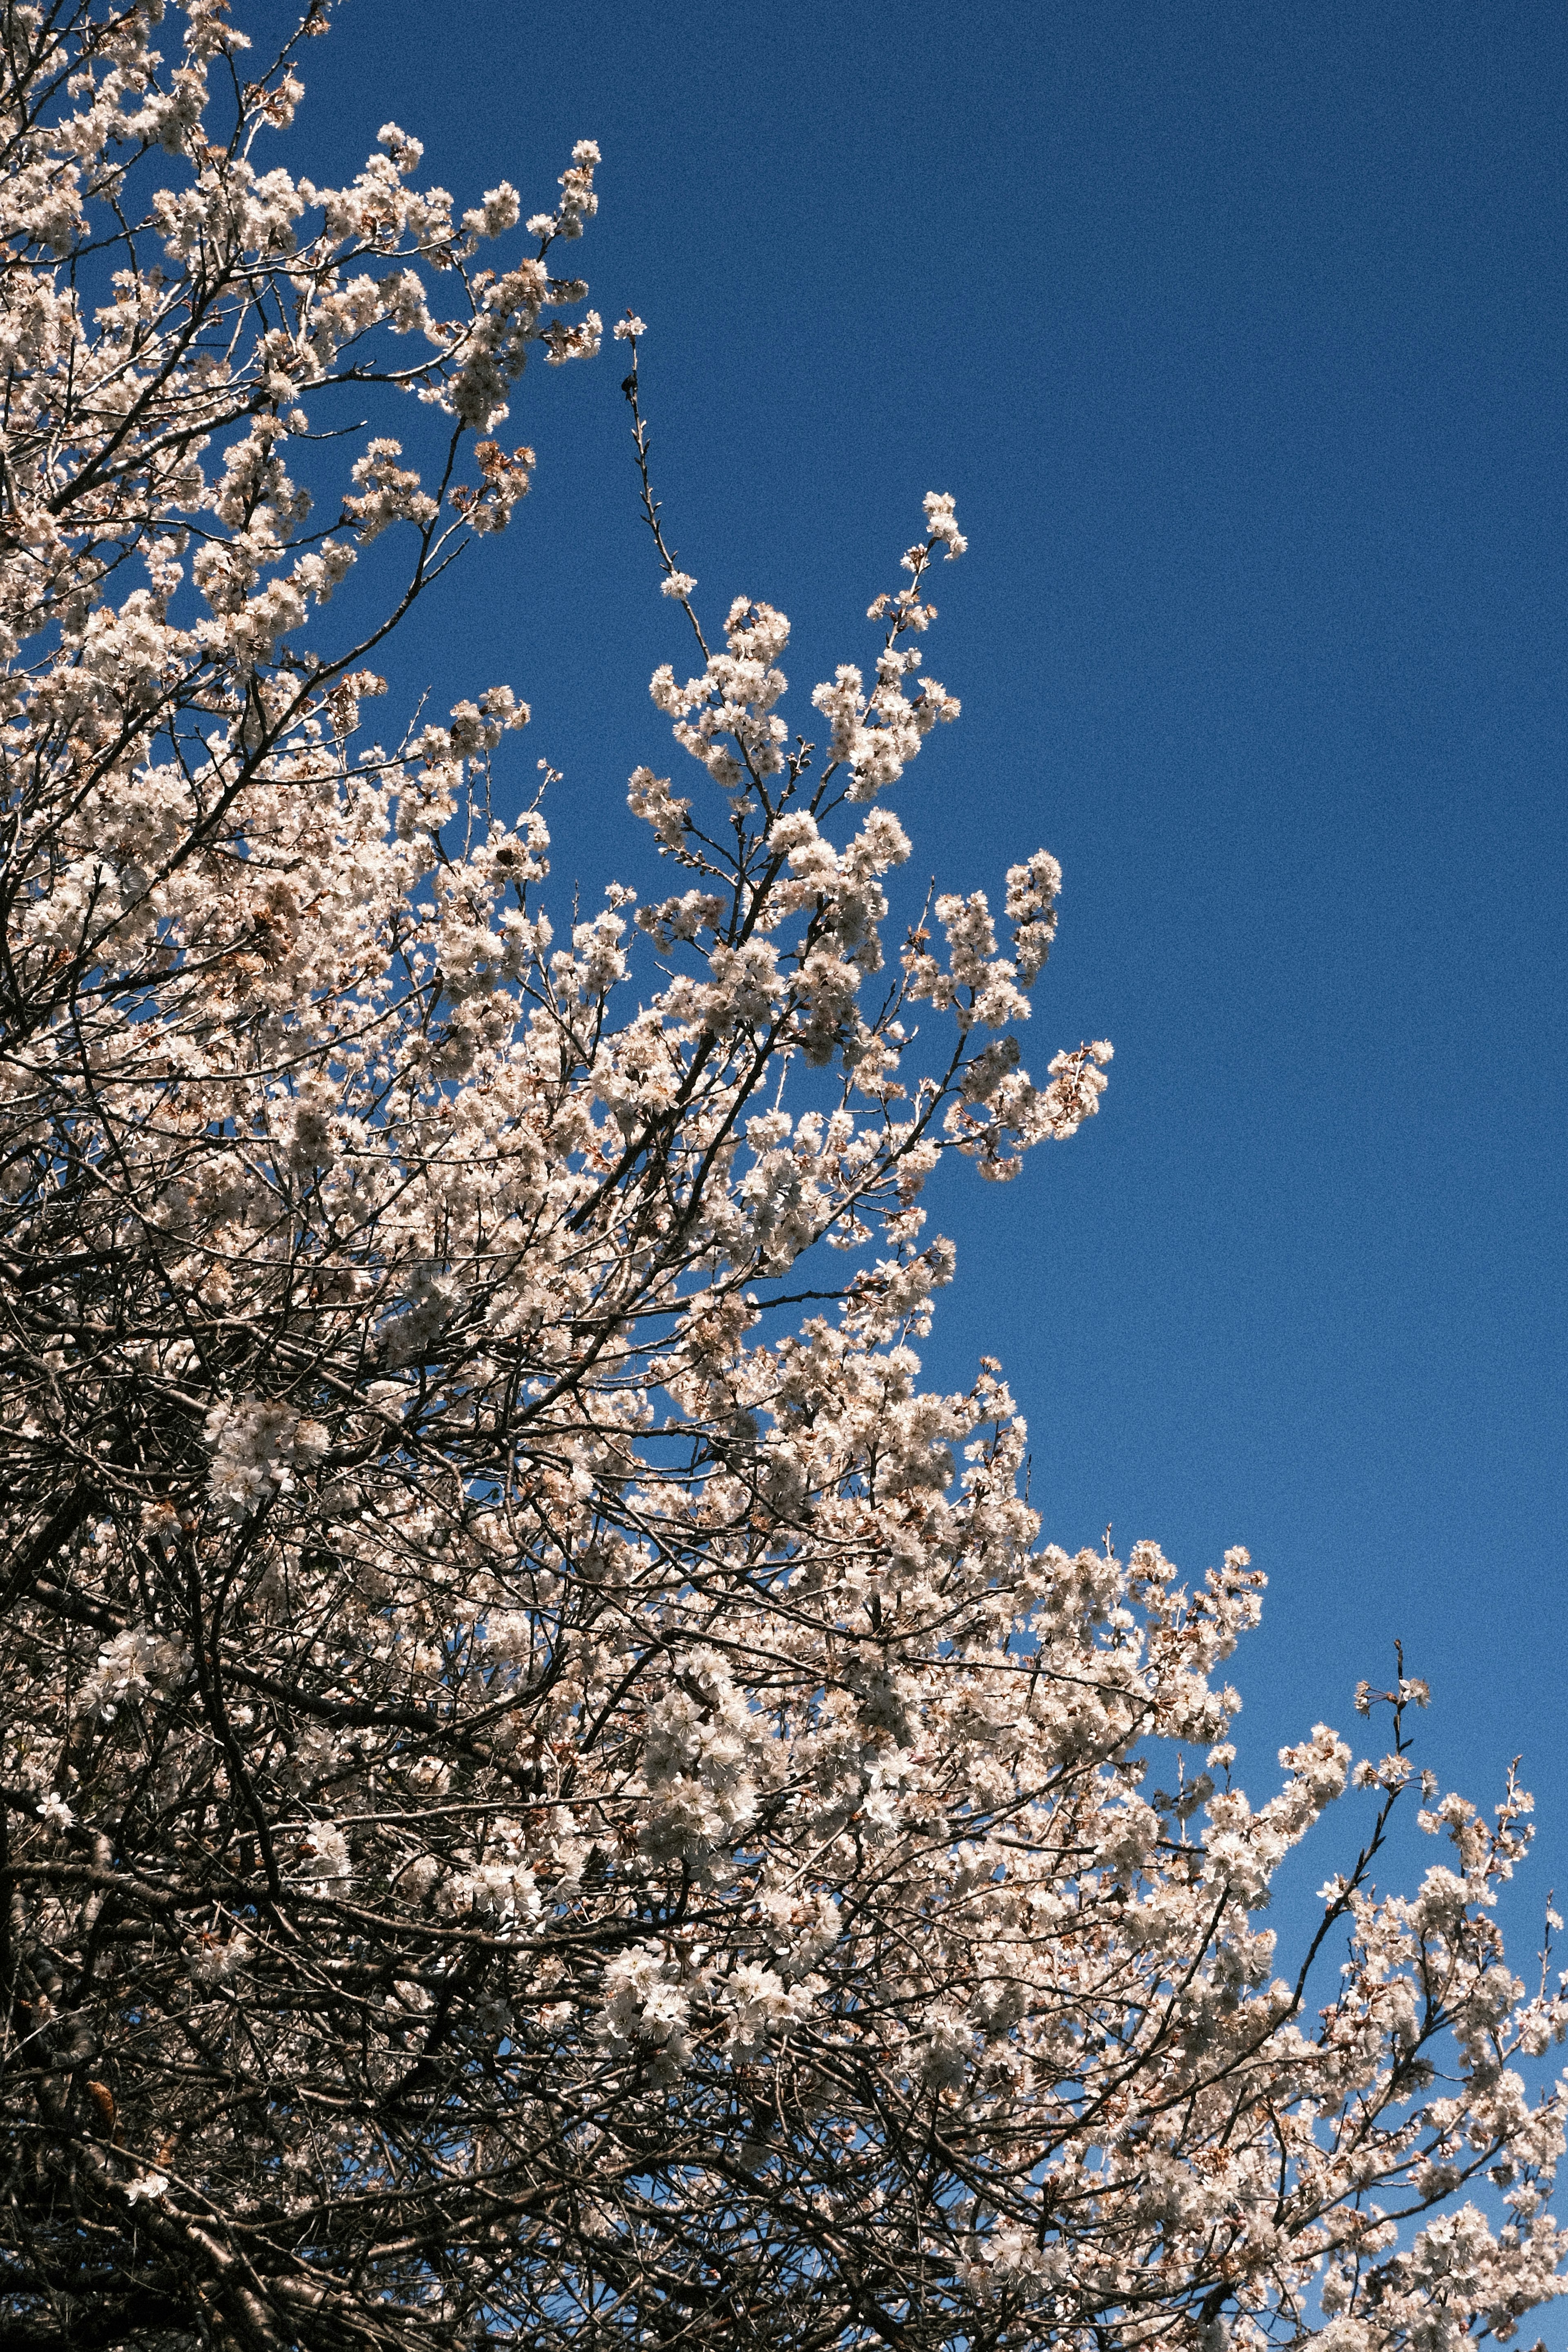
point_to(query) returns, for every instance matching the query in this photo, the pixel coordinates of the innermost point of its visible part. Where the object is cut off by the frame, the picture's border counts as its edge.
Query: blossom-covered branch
(549, 1790)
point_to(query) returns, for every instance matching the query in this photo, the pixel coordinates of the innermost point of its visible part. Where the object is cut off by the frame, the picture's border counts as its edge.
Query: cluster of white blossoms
(138, 1664)
(734, 731)
(258, 1443)
(552, 1787)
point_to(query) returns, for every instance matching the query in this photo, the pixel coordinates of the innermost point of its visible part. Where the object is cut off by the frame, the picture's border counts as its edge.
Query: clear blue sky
(1239, 332)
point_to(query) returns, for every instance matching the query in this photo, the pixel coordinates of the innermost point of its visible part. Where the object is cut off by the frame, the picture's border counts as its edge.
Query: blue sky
(1238, 332)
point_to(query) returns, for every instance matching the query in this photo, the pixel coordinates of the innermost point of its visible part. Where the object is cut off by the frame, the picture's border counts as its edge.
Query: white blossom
(552, 1784)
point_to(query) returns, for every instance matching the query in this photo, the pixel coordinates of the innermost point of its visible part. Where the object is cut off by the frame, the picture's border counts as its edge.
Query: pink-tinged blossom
(551, 1783)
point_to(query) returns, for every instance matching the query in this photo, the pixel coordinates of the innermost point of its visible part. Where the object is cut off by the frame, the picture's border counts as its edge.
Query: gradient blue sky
(1239, 333)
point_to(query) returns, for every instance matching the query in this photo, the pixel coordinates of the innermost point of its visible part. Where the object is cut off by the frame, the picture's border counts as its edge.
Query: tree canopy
(550, 1791)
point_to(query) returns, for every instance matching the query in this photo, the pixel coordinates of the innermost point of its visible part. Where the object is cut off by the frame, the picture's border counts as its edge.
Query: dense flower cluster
(549, 1789)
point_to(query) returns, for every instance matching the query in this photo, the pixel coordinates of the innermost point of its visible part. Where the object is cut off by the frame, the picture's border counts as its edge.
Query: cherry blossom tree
(550, 1790)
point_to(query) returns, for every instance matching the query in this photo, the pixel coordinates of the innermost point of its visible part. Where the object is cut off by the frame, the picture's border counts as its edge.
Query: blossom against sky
(1239, 336)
